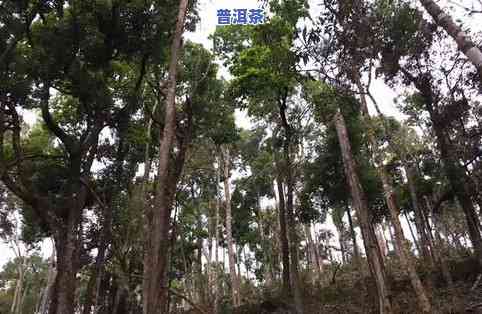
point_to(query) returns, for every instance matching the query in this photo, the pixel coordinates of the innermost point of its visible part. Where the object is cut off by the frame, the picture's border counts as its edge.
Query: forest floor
(348, 292)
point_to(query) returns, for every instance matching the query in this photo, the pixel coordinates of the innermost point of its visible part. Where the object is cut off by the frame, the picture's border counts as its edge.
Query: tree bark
(360, 205)
(405, 258)
(454, 171)
(388, 189)
(412, 233)
(293, 236)
(463, 40)
(67, 248)
(16, 307)
(285, 255)
(356, 251)
(217, 238)
(382, 243)
(229, 233)
(425, 245)
(313, 254)
(437, 246)
(155, 258)
(47, 291)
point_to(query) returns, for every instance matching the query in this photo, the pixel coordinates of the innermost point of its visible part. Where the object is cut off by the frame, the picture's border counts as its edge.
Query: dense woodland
(128, 186)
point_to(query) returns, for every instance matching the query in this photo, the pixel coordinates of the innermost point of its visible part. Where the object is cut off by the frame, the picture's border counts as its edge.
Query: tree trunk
(382, 243)
(229, 232)
(360, 205)
(66, 244)
(93, 289)
(313, 254)
(425, 245)
(155, 257)
(356, 251)
(412, 233)
(285, 256)
(437, 246)
(463, 40)
(17, 296)
(264, 244)
(217, 238)
(47, 291)
(293, 236)
(405, 258)
(209, 261)
(454, 171)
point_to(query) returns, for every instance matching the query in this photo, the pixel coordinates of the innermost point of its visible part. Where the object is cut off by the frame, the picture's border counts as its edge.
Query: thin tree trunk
(155, 259)
(412, 233)
(17, 296)
(437, 246)
(382, 243)
(425, 245)
(22, 300)
(264, 244)
(285, 257)
(388, 189)
(454, 171)
(229, 232)
(293, 236)
(356, 251)
(313, 254)
(209, 264)
(463, 40)
(47, 291)
(217, 237)
(405, 258)
(360, 205)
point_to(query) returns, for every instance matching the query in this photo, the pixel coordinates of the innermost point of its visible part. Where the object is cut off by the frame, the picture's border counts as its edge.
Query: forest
(325, 159)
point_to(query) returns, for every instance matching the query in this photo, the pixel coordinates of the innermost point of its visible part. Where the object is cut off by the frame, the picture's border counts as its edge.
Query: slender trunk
(437, 246)
(22, 299)
(293, 236)
(382, 243)
(155, 257)
(458, 181)
(217, 238)
(360, 205)
(17, 296)
(229, 232)
(405, 258)
(93, 290)
(412, 233)
(264, 244)
(340, 228)
(356, 251)
(388, 189)
(463, 40)
(312, 254)
(209, 264)
(47, 291)
(238, 250)
(285, 257)
(199, 270)
(454, 171)
(425, 245)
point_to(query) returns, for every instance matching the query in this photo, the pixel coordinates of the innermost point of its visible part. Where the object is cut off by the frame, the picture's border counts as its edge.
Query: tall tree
(155, 264)
(463, 40)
